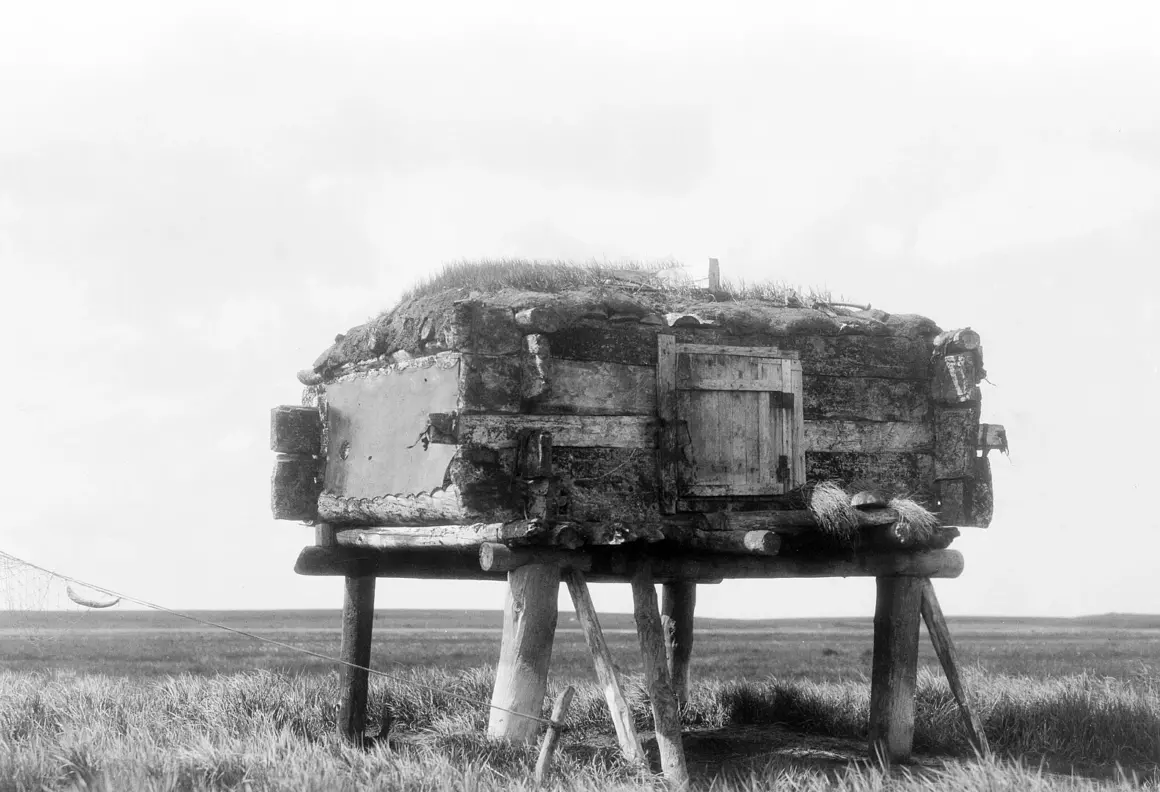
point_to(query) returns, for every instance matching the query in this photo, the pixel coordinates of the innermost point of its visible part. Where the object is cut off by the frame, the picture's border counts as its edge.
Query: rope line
(273, 642)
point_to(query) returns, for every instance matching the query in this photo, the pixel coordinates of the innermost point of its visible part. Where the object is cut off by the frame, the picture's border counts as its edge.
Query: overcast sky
(194, 198)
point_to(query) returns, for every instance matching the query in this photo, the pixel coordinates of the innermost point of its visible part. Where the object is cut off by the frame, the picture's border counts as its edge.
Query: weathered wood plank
(944, 647)
(894, 471)
(963, 339)
(866, 399)
(558, 385)
(605, 669)
(540, 319)
(484, 329)
(871, 437)
(798, 441)
(956, 430)
(895, 668)
(992, 437)
(954, 496)
(594, 388)
(295, 430)
(662, 696)
(735, 351)
(678, 602)
(490, 384)
(607, 431)
(892, 357)
(521, 675)
(707, 371)
(668, 437)
(968, 502)
(956, 379)
(358, 618)
(982, 503)
(294, 487)
(858, 356)
(461, 536)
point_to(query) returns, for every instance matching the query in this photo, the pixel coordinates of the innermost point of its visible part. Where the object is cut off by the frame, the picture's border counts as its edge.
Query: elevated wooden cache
(629, 432)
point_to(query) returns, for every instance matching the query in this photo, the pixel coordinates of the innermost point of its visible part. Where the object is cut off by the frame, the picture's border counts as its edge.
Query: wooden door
(733, 417)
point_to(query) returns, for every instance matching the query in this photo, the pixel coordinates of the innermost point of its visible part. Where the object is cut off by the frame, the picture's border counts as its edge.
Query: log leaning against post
(624, 430)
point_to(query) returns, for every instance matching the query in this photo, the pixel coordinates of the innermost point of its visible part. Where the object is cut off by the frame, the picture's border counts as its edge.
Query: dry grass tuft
(553, 276)
(915, 522)
(830, 505)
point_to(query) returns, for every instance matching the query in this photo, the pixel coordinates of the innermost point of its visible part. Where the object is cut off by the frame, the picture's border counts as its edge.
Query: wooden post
(678, 600)
(552, 735)
(521, 676)
(940, 636)
(605, 669)
(895, 668)
(666, 712)
(714, 276)
(358, 615)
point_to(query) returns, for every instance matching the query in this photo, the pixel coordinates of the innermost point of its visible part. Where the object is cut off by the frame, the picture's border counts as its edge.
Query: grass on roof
(667, 276)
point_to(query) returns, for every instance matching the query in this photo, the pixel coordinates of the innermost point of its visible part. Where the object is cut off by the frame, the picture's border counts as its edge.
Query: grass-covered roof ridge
(436, 313)
(488, 276)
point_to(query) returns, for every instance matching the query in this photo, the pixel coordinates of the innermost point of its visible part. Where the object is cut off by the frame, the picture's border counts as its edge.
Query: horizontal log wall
(868, 404)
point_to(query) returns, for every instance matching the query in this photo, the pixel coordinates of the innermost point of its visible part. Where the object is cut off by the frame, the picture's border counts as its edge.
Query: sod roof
(430, 316)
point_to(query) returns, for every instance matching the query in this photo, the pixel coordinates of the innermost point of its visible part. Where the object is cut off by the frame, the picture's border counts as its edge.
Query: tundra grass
(266, 731)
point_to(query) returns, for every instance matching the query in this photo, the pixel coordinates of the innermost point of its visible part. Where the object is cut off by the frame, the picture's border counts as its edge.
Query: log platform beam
(895, 668)
(358, 615)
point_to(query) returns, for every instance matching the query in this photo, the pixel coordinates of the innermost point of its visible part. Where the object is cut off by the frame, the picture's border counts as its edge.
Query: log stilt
(895, 668)
(552, 735)
(940, 636)
(678, 600)
(605, 669)
(666, 712)
(521, 676)
(358, 615)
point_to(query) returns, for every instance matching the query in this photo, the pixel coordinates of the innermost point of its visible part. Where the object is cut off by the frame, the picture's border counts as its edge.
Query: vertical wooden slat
(678, 601)
(895, 668)
(798, 440)
(605, 669)
(358, 615)
(525, 655)
(666, 712)
(940, 636)
(668, 441)
(767, 440)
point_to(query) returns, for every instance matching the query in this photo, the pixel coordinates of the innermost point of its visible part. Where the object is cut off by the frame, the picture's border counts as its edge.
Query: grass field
(126, 699)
